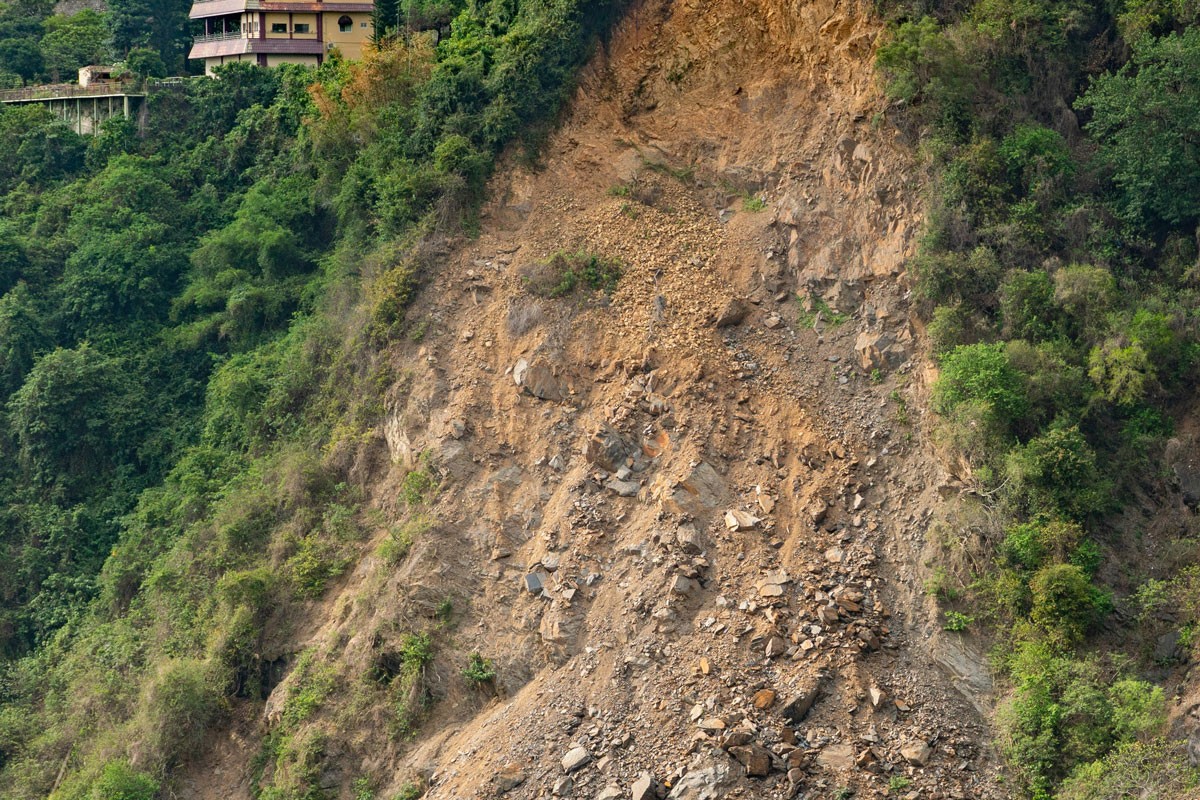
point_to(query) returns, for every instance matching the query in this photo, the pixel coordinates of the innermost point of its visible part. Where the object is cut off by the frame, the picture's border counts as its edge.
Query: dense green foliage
(149, 37)
(189, 322)
(1058, 272)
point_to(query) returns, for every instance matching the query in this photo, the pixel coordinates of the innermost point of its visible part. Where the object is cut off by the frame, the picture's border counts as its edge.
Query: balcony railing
(58, 91)
(220, 37)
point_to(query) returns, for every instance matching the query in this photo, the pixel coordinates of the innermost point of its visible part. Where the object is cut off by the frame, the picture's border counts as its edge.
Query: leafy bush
(1027, 306)
(981, 373)
(921, 64)
(479, 670)
(1157, 768)
(1029, 545)
(564, 273)
(183, 700)
(1087, 294)
(1064, 602)
(1062, 716)
(1056, 474)
(957, 622)
(120, 781)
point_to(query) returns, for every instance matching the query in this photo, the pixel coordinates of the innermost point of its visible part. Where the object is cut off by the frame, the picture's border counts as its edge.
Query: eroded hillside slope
(678, 519)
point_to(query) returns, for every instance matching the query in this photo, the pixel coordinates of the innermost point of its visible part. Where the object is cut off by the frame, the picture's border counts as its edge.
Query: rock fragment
(509, 777)
(736, 520)
(643, 788)
(576, 758)
(776, 646)
(916, 752)
(755, 759)
(732, 313)
(799, 706)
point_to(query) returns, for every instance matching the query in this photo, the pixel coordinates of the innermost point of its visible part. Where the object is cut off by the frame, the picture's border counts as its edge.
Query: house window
(362, 24)
(278, 27)
(300, 27)
(345, 24)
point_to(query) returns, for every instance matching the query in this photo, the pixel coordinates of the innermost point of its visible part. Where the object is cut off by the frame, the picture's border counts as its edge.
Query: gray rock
(539, 380)
(1167, 649)
(606, 449)
(755, 759)
(689, 539)
(838, 757)
(872, 350)
(563, 786)
(709, 783)
(695, 494)
(776, 647)
(611, 793)
(623, 488)
(1181, 455)
(738, 520)
(795, 777)
(576, 758)
(644, 788)
(682, 585)
(797, 708)
(535, 582)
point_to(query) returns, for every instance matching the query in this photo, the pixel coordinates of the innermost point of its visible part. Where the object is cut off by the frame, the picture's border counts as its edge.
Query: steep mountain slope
(680, 520)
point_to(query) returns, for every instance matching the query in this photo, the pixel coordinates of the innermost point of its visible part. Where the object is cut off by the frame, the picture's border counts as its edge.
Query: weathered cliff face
(682, 521)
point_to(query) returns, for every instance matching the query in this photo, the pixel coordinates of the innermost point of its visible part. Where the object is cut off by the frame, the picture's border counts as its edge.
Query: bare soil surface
(686, 519)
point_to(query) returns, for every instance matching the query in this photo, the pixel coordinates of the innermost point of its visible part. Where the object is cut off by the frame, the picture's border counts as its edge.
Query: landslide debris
(677, 517)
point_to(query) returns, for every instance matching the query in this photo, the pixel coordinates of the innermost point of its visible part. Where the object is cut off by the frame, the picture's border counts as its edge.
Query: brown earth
(728, 520)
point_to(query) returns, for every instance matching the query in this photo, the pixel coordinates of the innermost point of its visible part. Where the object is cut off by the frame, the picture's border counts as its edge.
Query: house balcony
(202, 9)
(215, 45)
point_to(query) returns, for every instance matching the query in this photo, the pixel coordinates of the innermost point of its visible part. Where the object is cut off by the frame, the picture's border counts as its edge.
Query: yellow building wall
(276, 18)
(212, 63)
(349, 44)
(305, 19)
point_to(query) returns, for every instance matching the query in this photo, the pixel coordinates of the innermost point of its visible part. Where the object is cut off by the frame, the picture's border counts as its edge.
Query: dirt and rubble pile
(679, 519)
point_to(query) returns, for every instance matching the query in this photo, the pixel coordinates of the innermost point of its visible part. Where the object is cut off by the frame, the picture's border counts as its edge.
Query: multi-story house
(270, 32)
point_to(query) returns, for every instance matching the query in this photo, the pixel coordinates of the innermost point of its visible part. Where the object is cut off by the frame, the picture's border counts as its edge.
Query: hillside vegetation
(1059, 273)
(187, 327)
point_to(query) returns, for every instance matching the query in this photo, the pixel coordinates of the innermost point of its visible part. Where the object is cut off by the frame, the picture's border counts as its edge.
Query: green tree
(38, 147)
(1145, 118)
(146, 62)
(21, 57)
(74, 41)
(1055, 473)
(1065, 604)
(71, 417)
(21, 337)
(158, 24)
